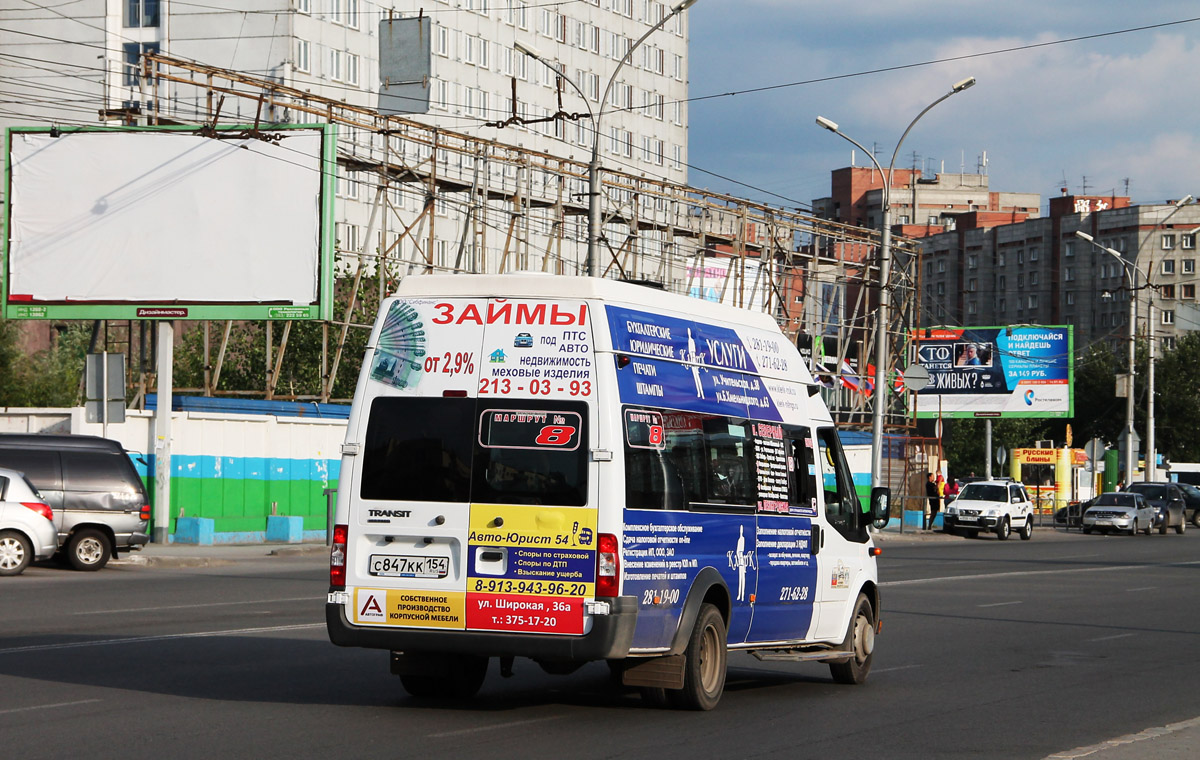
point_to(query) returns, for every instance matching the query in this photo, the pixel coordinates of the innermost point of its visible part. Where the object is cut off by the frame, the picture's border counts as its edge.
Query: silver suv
(999, 506)
(99, 502)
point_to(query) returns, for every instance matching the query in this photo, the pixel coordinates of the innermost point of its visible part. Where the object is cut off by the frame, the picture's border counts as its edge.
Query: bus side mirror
(881, 500)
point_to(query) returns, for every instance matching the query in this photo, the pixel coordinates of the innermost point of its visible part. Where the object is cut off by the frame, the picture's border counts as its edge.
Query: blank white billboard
(165, 217)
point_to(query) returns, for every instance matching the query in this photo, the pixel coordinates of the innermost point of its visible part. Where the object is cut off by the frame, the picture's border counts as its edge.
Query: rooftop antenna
(1085, 185)
(1125, 181)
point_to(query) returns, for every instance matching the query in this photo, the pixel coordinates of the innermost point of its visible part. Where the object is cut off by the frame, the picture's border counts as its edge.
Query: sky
(1111, 109)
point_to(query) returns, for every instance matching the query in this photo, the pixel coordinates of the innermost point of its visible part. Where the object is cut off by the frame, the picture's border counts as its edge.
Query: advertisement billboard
(169, 223)
(1022, 371)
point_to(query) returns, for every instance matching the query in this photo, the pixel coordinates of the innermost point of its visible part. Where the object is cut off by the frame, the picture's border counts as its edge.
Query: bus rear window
(461, 450)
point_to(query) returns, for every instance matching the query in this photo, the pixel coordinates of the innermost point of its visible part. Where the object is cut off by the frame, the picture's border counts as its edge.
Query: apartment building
(1039, 271)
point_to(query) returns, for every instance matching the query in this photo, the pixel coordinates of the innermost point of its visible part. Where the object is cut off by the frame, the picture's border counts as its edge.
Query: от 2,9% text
(459, 363)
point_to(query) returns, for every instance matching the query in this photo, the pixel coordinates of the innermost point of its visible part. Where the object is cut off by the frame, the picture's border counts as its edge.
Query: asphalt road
(990, 649)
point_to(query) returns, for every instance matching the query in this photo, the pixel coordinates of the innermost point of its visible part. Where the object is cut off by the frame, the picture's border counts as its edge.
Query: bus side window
(841, 500)
(802, 477)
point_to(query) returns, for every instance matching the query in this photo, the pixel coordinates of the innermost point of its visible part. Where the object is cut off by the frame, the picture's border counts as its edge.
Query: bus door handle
(815, 540)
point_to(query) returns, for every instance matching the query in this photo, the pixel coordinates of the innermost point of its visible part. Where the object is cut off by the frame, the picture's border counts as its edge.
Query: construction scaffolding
(431, 199)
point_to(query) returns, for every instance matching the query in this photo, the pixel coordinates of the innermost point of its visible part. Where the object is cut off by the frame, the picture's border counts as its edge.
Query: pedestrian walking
(931, 493)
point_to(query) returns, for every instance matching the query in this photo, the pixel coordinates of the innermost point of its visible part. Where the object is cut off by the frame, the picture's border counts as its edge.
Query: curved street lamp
(885, 270)
(593, 253)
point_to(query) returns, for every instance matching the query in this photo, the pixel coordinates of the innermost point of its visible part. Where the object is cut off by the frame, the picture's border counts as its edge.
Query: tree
(1177, 401)
(49, 378)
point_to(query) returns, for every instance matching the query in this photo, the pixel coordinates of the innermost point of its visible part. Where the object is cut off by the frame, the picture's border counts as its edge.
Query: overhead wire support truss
(530, 206)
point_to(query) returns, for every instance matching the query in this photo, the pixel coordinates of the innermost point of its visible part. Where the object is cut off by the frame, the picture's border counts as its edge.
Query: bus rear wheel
(704, 669)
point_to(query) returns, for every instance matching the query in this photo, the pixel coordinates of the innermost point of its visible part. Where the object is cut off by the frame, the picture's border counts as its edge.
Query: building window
(142, 13)
(1070, 297)
(1168, 344)
(972, 308)
(1033, 301)
(1021, 256)
(1033, 253)
(335, 11)
(1167, 291)
(1068, 248)
(1168, 266)
(352, 68)
(335, 65)
(1002, 283)
(973, 261)
(302, 59)
(1033, 279)
(351, 13)
(1188, 241)
(1001, 305)
(972, 285)
(303, 6)
(1068, 274)
(1000, 258)
(133, 60)
(1168, 317)
(929, 269)
(1189, 266)
(1187, 292)
(941, 289)
(941, 265)
(1168, 242)
(1020, 281)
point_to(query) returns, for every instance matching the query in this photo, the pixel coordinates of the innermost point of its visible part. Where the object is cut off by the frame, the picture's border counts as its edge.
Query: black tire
(1148, 528)
(704, 670)
(1134, 530)
(88, 549)
(462, 680)
(15, 553)
(1182, 526)
(1162, 529)
(1004, 529)
(860, 639)
(971, 533)
(1087, 530)
(1196, 518)
(1027, 529)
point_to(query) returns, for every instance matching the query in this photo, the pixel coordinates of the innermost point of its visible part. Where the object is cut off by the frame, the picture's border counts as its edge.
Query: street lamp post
(885, 271)
(1151, 453)
(593, 247)
(1129, 400)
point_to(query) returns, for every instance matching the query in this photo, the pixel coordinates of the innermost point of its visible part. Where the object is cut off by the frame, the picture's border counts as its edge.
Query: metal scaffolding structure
(432, 199)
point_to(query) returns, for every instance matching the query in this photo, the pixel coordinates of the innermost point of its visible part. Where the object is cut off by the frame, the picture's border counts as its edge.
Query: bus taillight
(608, 566)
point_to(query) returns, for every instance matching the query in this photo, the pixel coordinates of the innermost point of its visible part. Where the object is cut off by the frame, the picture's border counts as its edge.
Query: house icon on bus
(497, 356)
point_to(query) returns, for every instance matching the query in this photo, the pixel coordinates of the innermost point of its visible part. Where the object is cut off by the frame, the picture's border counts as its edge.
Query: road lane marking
(48, 707)
(998, 604)
(1142, 588)
(198, 606)
(164, 637)
(1149, 733)
(1014, 573)
(877, 671)
(1110, 638)
(494, 727)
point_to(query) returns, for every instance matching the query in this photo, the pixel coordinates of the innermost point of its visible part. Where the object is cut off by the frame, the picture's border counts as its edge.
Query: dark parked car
(1167, 500)
(1191, 500)
(1072, 514)
(99, 502)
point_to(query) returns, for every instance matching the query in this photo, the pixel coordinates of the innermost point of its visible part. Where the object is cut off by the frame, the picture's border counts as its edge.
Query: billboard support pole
(162, 432)
(987, 447)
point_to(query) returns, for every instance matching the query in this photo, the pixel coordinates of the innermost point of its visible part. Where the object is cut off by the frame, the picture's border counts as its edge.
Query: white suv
(999, 506)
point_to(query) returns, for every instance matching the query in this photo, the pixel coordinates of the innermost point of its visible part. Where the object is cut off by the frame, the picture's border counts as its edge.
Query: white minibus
(574, 469)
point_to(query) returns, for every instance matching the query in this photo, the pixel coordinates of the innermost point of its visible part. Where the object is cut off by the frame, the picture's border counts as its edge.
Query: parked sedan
(1167, 500)
(27, 529)
(1191, 499)
(1119, 512)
